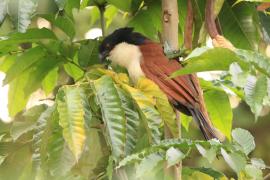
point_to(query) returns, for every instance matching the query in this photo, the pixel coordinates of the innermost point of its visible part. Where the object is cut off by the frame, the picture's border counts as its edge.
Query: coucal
(143, 57)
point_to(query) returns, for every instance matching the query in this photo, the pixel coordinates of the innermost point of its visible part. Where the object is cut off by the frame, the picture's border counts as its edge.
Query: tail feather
(208, 130)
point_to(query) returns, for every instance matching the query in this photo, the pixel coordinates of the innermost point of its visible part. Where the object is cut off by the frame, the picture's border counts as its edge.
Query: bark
(189, 27)
(170, 36)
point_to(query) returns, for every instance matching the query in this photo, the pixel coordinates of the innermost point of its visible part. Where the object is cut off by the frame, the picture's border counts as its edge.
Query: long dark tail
(208, 130)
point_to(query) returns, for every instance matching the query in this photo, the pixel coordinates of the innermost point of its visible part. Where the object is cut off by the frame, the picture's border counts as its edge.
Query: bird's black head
(118, 36)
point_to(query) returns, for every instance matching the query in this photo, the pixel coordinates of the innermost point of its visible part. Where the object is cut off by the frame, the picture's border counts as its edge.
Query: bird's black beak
(103, 56)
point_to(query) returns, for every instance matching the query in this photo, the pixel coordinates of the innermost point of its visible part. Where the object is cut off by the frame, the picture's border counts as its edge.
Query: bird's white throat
(128, 56)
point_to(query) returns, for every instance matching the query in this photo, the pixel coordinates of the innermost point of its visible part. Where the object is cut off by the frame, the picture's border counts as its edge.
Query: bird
(143, 57)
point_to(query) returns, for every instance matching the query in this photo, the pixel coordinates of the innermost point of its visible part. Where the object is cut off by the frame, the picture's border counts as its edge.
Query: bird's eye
(107, 45)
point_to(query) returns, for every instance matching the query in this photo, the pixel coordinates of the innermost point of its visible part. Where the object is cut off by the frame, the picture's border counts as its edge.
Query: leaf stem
(102, 18)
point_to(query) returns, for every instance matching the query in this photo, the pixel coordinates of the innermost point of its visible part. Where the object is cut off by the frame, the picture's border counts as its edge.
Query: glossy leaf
(244, 139)
(132, 118)
(113, 114)
(161, 102)
(50, 81)
(71, 105)
(150, 116)
(255, 91)
(23, 62)
(73, 71)
(88, 53)
(21, 12)
(234, 160)
(219, 109)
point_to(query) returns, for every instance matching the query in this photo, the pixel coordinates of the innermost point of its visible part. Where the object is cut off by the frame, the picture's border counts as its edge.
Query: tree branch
(188, 26)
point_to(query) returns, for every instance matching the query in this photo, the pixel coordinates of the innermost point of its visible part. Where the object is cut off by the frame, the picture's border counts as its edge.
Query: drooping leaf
(72, 108)
(133, 120)
(234, 160)
(50, 81)
(244, 139)
(41, 136)
(26, 122)
(239, 24)
(62, 22)
(73, 71)
(255, 91)
(88, 53)
(23, 62)
(164, 107)
(31, 35)
(174, 156)
(113, 114)
(219, 109)
(150, 116)
(209, 60)
(21, 12)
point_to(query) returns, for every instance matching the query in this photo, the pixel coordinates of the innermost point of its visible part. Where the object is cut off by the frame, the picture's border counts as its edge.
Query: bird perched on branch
(143, 57)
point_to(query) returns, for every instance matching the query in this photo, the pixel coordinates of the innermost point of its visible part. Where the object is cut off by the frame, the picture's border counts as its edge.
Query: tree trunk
(170, 36)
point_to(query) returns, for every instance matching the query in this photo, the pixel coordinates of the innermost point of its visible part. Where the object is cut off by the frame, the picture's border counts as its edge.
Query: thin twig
(102, 19)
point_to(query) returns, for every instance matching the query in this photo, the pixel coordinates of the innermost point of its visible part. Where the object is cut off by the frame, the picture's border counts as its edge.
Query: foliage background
(243, 34)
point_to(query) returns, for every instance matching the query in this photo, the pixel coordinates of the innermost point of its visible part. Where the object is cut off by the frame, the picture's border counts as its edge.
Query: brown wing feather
(183, 91)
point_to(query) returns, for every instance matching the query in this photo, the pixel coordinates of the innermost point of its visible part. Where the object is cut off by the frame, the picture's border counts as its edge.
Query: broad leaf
(255, 91)
(23, 62)
(209, 154)
(219, 109)
(72, 108)
(150, 116)
(50, 81)
(133, 120)
(62, 22)
(162, 103)
(31, 35)
(209, 60)
(244, 139)
(73, 71)
(21, 12)
(234, 160)
(112, 113)
(174, 156)
(88, 53)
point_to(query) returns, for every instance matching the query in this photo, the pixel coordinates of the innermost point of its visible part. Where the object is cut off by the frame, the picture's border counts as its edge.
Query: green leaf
(31, 35)
(150, 116)
(61, 159)
(234, 160)
(50, 81)
(244, 139)
(70, 5)
(219, 109)
(210, 60)
(26, 122)
(133, 120)
(21, 12)
(185, 121)
(88, 53)
(162, 103)
(7, 62)
(43, 130)
(72, 108)
(259, 163)
(209, 171)
(148, 164)
(62, 22)
(209, 154)
(23, 62)
(239, 77)
(17, 99)
(73, 71)
(3, 10)
(240, 25)
(253, 172)
(173, 156)
(112, 113)
(121, 4)
(255, 91)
